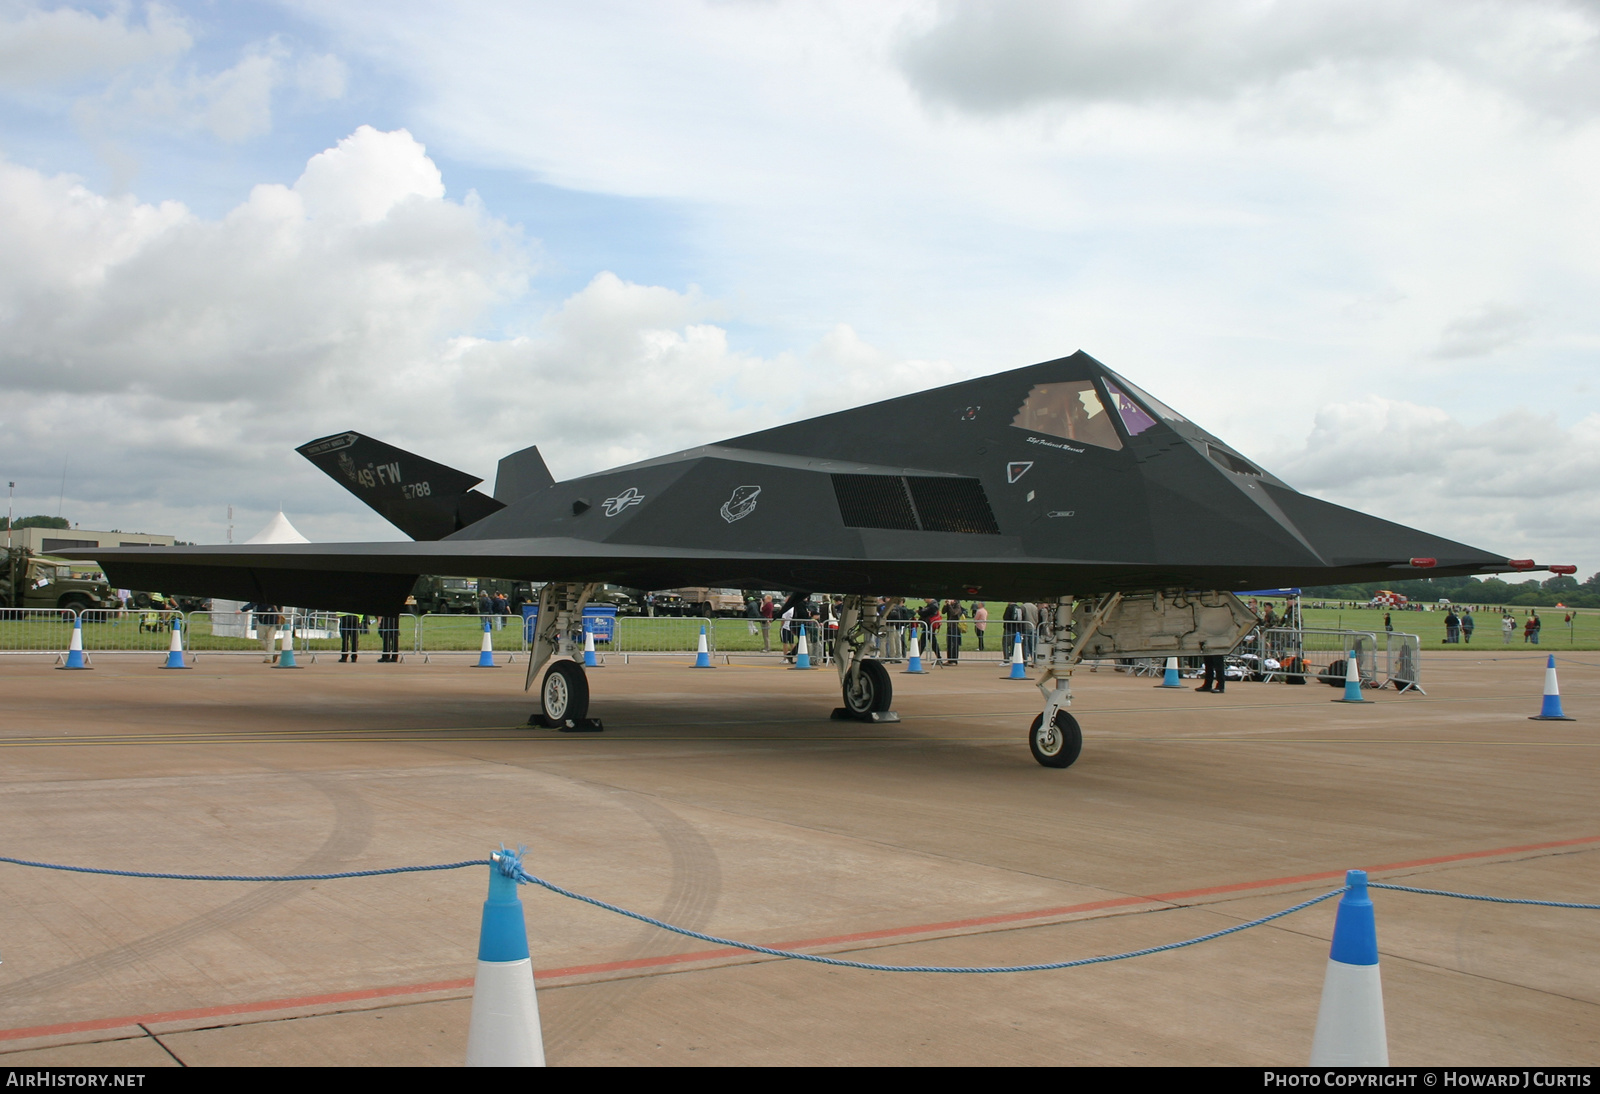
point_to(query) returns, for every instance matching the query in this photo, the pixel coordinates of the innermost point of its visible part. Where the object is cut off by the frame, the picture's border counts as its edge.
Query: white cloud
(48, 47)
(174, 362)
(998, 55)
(1483, 331)
(233, 104)
(1520, 483)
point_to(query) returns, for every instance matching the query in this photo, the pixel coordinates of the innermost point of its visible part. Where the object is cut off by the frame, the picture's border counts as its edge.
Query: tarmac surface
(726, 801)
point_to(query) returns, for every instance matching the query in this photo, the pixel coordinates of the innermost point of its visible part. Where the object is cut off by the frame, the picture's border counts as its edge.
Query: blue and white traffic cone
(175, 647)
(1551, 711)
(1350, 1027)
(486, 650)
(802, 652)
(1018, 669)
(286, 658)
(75, 659)
(590, 661)
(1169, 679)
(702, 656)
(1352, 681)
(914, 655)
(504, 1029)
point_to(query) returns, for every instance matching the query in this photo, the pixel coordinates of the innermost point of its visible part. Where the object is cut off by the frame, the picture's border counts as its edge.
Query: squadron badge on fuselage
(741, 504)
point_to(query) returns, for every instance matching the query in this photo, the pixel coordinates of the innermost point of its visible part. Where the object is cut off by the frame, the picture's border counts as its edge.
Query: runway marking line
(364, 994)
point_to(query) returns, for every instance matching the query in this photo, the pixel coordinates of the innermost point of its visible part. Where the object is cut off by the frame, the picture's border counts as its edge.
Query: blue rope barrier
(1479, 896)
(509, 863)
(250, 877)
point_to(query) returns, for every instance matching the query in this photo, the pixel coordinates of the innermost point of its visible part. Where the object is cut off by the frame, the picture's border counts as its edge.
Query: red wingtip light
(1520, 563)
(1424, 563)
(1563, 569)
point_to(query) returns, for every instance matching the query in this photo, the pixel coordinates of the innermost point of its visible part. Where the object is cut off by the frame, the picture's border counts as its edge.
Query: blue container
(599, 618)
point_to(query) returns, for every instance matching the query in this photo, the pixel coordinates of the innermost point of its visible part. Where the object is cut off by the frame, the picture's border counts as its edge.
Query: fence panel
(438, 633)
(1319, 648)
(645, 634)
(1403, 661)
(35, 630)
(130, 631)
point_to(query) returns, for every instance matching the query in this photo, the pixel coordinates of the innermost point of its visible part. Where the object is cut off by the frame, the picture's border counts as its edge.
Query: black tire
(74, 604)
(563, 695)
(1059, 748)
(873, 692)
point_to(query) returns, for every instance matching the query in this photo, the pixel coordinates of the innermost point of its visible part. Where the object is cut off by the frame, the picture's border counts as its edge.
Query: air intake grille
(914, 504)
(874, 501)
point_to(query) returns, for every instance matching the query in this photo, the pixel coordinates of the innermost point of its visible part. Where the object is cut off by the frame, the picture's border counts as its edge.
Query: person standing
(980, 621)
(1535, 625)
(1467, 625)
(1216, 669)
(1388, 622)
(268, 619)
(1030, 629)
(1008, 628)
(767, 611)
(952, 631)
(349, 637)
(1452, 628)
(932, 620)
(1508, 626)
(389, 631)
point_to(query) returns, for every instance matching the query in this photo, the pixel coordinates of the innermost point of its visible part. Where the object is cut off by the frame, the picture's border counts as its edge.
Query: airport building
(47, 541)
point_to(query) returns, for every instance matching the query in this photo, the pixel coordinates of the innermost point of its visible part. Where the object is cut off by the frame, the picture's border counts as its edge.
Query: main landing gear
(564, 689)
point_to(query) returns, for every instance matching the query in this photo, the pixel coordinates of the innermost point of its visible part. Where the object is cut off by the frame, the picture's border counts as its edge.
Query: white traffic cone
(1352, 681)
(1018, 671)
(1350, 1026)
(702, 657)
(175, 647)
(75, 658)
(504, 1029)
(486, 650)
(590, 661)
(914, 654)
(802, 652)
(286, 645)
(1169, 679)
(1551, 710)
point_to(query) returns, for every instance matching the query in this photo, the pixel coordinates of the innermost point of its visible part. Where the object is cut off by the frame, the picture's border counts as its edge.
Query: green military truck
(28, 580)
(444, 595)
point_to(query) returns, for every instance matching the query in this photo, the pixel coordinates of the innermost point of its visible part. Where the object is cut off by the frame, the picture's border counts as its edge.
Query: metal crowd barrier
(634, 635)
(36, 630)
(437, 633)
(1318, 648)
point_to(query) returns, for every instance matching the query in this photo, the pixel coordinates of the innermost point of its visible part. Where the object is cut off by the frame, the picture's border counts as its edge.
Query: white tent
(278, 530)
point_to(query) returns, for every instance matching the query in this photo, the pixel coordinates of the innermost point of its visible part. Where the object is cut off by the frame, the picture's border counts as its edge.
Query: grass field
(47, 633)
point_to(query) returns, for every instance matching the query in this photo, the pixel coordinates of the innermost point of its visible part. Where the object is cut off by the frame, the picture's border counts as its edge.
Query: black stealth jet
(1057, 482)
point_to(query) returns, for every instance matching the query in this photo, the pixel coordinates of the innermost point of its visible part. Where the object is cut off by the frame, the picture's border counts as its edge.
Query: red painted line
(728, 951)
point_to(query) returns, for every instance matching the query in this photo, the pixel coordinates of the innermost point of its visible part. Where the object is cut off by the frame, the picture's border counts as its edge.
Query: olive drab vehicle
(445, 595)
(28, 580)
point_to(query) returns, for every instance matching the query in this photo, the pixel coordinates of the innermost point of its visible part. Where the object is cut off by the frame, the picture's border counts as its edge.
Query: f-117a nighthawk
(1059, 482)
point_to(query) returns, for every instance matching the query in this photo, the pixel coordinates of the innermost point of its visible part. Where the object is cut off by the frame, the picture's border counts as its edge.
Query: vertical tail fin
(423, 499)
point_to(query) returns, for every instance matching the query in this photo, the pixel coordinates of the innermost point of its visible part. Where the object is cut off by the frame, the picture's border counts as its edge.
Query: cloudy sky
(1359, 240)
